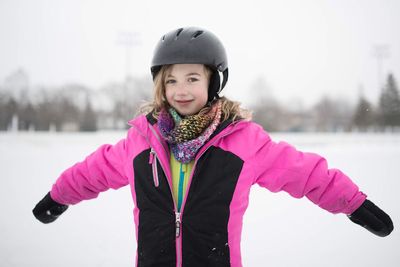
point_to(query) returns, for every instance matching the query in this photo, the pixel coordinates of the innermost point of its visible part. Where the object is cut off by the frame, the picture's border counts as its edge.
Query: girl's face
(186, 88)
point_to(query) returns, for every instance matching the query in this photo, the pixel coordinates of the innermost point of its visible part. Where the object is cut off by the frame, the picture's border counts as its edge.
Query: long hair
(230, 109)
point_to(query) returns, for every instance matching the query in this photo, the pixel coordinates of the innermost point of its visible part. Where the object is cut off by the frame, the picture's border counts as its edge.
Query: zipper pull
(151, 158)
(153, 163)
(177, 224)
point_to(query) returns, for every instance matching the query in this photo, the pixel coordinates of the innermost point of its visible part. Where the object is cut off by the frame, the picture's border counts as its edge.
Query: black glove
(372, 218)
(47, 210)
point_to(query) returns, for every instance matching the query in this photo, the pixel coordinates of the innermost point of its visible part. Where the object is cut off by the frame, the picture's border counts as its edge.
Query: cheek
(204, 98)
(168, 94)
(203, 94)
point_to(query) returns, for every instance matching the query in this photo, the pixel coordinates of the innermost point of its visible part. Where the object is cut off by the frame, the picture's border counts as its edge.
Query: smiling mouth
(183, 101)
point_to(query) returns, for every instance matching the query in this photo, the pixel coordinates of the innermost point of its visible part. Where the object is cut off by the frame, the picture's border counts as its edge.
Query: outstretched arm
(101, 170)
(279, 166)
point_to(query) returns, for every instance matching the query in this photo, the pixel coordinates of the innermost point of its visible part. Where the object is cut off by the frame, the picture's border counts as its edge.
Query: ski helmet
(193, 45)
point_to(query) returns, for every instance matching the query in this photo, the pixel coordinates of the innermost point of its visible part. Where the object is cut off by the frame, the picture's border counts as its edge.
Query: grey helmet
(193, 45)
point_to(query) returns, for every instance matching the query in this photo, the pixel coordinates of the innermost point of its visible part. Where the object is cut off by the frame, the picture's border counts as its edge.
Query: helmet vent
(178, 32)
(163, 38)
(196, 34)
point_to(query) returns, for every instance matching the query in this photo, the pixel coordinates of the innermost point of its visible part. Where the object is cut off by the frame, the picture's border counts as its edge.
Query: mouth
(182, 102)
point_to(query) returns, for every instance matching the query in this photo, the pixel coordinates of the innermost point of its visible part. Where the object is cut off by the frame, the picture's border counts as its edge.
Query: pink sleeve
(101, 170)
(279, 166)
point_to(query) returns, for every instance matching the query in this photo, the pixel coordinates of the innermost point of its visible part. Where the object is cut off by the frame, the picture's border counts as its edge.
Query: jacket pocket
(153, 162)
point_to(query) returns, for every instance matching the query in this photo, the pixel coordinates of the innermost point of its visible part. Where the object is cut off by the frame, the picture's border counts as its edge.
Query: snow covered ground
(278, 229)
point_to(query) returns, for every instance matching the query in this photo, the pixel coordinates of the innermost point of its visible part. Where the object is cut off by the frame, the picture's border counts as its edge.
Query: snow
(278, 230)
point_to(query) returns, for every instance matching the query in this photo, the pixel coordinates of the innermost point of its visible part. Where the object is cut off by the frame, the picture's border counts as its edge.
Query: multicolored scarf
(187, 134)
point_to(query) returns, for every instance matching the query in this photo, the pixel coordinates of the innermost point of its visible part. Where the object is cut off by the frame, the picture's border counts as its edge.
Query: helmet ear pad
(214, 86)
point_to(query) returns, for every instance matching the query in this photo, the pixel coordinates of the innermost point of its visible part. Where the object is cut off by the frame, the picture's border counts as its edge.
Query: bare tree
(332, 115)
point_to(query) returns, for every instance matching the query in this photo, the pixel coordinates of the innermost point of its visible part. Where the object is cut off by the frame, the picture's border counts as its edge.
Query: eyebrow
(193, 73)
(189, 74)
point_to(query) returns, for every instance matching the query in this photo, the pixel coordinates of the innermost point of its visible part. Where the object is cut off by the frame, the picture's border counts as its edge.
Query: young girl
(191, 159)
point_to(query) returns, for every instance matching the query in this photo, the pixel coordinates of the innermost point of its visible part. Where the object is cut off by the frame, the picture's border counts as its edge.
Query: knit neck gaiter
(186, 135)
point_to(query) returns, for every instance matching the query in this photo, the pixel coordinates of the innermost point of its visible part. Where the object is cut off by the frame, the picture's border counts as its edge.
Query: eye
(193, 79)
(170, 81)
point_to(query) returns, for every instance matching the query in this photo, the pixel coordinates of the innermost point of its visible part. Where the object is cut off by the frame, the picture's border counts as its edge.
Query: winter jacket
(207, 231)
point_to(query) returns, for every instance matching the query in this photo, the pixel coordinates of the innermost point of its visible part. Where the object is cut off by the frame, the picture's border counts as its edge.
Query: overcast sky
(302, 49)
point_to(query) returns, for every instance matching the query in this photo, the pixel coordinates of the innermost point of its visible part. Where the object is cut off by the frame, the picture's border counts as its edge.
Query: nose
(181, 90)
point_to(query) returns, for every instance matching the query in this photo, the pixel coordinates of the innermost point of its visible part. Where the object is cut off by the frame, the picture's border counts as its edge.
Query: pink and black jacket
(207, 230)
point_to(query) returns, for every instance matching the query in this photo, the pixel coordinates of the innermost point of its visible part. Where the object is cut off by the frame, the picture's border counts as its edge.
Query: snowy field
(279, 230)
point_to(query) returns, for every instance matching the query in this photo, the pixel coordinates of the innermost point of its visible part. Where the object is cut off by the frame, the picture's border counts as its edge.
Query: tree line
(71, 107)
(75, 107)
(333, 115)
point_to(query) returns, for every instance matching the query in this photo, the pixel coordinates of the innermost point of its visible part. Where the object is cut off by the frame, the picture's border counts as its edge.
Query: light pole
(381, 52)
(128, 40)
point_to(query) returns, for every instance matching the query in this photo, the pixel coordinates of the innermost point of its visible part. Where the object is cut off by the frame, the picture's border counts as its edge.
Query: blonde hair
(230, 109)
